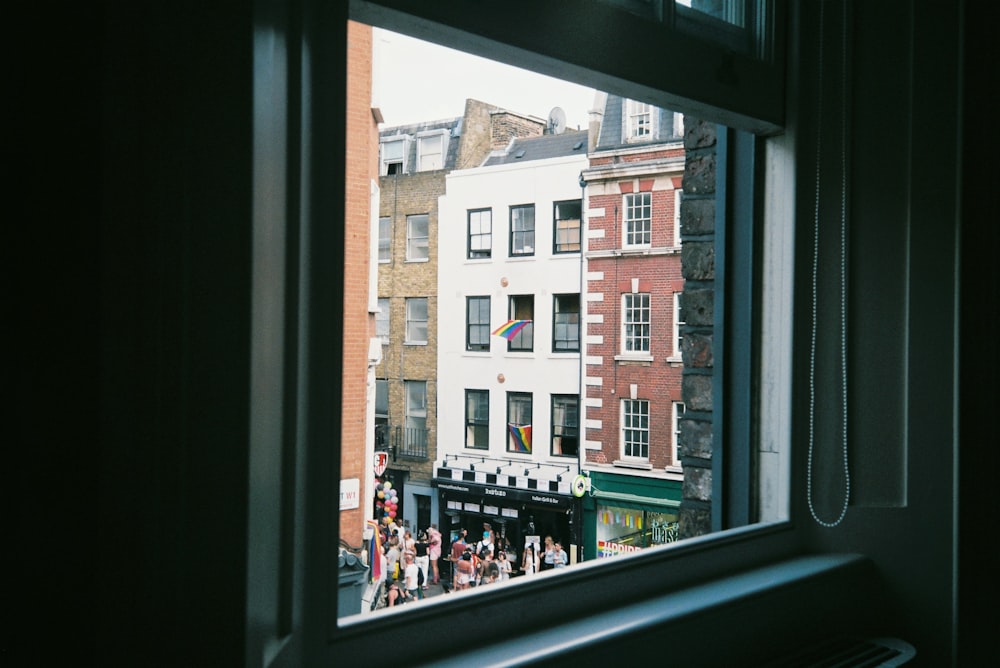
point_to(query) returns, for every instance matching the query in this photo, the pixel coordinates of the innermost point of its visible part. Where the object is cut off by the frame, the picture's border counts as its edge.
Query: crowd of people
(413, 564)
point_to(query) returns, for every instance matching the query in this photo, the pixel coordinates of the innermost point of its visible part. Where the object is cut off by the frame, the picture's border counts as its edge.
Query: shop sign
(350, 493)
(507, 493)
(607, 548)
(381, 461)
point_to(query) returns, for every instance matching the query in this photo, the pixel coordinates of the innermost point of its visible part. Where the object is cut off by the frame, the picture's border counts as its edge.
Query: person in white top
(529, 561)
(410, 581)
(504, 565)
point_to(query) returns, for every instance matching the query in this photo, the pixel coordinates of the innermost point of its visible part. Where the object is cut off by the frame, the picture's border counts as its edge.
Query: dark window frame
(556, 347)
(519, 238)
(476, 422)
(557, 246)
(469, 324)
(514, 398)
(564, 429)
(515, 311)
(478, 254)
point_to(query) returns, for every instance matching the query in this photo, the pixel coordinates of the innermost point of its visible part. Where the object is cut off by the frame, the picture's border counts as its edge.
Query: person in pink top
(434, 536)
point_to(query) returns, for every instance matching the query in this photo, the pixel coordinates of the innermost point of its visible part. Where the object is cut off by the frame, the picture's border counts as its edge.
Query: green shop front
(626, 513)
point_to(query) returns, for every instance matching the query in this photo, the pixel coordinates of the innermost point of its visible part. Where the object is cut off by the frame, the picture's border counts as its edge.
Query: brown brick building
(413, 162)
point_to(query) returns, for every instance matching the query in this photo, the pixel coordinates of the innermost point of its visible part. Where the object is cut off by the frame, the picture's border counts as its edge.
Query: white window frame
(415, 242)
(415, 415)
(675, 334)
(625, 427)
(413, 324)
(678, 124)
(640, 121)
(427, 160)
(384, 239)
(676, 413)
(632, 203)
(628, 308)
(383, 323)
(678, 197)
(403, 142)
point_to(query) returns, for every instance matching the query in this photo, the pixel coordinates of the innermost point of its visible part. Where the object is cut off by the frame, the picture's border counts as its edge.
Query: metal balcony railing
(402, 442)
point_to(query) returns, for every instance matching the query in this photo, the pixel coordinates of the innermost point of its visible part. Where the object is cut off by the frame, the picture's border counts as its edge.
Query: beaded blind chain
(843, 270)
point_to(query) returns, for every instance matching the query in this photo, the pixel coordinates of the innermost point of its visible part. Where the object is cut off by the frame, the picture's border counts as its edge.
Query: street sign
(381, 461)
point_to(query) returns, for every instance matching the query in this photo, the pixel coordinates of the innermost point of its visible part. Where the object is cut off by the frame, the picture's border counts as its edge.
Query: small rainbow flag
(522, 437)
(510, 328)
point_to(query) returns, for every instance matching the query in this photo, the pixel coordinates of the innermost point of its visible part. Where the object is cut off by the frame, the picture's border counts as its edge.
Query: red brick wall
(659, 274)
(359, 325)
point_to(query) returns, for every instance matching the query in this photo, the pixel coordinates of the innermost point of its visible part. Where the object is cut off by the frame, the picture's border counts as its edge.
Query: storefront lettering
(544, 499)
(606, 548)
(457, 488)
(665, 532)
(495, 492)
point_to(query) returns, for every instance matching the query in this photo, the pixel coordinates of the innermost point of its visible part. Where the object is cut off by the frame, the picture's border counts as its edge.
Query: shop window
(622, 530)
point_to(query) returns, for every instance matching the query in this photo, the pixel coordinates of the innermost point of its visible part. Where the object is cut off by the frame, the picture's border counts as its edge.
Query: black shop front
(516, 516)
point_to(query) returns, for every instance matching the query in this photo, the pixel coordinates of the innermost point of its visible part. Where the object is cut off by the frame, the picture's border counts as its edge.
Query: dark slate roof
(612, 132)
(525, 149)
(453, 125)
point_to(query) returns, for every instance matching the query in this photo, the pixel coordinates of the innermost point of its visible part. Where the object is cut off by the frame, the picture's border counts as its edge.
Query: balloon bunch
(386, 500)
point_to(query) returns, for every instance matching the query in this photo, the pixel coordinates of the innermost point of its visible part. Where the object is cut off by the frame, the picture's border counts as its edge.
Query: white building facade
(509, 408)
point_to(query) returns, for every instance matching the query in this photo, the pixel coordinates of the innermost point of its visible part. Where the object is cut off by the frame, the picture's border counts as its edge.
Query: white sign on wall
(350, 493)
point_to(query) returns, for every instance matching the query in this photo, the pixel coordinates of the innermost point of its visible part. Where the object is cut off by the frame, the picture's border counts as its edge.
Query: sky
(418, 81)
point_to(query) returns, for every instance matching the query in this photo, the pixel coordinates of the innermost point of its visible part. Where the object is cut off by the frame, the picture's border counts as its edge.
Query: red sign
(381, 461)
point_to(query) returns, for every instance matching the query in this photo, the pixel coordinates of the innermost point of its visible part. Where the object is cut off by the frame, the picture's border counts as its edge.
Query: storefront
(625, 513)
(516, 515)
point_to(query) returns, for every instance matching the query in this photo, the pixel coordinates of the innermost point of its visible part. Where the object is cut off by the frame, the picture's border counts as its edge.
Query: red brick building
(361, 189)
(632, 367)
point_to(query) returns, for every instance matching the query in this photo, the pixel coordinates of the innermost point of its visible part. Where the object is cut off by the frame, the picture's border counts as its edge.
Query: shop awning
(635, 498)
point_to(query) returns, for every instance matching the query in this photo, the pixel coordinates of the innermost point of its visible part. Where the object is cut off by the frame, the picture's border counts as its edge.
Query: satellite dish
(557, 121)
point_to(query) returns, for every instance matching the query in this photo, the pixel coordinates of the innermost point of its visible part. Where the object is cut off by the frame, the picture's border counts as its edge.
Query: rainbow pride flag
(522, 437)
(375, 552)
(510, 328)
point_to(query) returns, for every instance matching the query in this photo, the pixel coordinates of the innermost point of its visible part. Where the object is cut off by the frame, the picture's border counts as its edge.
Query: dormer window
(431, 149)
(639, 119)
(393, 156)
